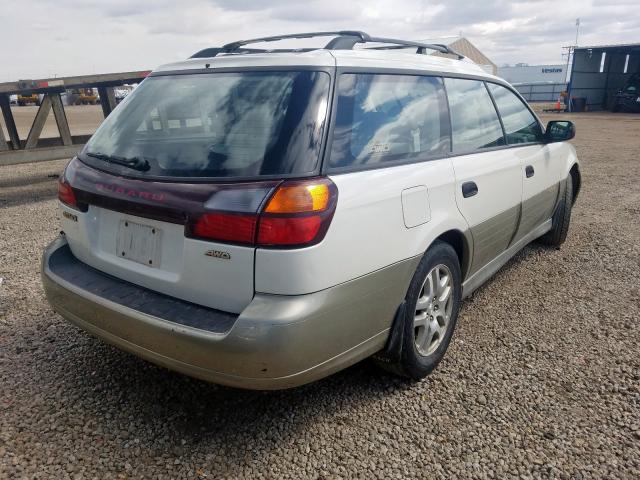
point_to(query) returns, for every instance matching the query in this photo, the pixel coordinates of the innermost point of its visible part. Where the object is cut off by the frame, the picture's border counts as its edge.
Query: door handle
(529, 171)
(469, 189)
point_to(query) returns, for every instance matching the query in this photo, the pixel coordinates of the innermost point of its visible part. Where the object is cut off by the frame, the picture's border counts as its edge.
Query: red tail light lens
(281, 231)
(226, 227)
(65, 194)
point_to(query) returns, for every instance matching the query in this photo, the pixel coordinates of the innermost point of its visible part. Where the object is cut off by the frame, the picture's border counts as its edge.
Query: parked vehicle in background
(28, 99)
(120, 94)
(13, 99)
(263, 219)
(84, 96)
(628, 98)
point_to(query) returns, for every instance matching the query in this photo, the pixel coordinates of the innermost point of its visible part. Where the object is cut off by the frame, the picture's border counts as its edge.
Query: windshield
(241, 124)
(633, 85)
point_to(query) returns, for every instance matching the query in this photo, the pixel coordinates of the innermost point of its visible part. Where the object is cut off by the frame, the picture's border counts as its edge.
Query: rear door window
(520, 125)
(387, 119)
(474, 121)
(218, 125)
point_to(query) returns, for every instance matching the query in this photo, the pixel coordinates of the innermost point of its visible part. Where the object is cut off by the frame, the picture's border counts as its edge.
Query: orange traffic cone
(558, 107)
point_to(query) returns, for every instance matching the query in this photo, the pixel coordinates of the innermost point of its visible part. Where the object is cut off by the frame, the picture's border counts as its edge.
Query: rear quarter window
(475, 123)
(387, 119)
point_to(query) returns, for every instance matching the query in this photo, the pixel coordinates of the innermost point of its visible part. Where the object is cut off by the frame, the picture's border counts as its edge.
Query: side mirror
(559, 131)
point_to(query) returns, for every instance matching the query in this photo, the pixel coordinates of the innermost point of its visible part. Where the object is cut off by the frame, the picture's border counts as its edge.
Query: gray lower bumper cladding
(276, 342)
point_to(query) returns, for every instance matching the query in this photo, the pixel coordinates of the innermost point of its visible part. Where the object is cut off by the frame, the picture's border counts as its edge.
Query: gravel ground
(542, 379)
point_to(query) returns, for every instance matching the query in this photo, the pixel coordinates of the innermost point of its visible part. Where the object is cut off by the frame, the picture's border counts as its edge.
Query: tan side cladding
(492, 237)
(537, 209)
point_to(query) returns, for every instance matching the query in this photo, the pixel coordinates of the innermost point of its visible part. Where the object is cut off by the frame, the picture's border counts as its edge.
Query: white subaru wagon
(262, 218)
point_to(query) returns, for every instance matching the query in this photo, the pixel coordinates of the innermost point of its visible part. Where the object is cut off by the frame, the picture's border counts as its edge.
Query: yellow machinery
(26, 99)
(85, 96)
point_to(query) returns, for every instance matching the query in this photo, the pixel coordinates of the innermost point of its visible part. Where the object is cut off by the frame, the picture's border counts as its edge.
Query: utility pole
(570, 49)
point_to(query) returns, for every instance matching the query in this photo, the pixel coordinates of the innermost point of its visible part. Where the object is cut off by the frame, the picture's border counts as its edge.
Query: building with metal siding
(599, 72)
(534, 73)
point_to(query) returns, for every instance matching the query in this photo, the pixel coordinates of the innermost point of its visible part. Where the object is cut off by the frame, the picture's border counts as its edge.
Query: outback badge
(218, 254)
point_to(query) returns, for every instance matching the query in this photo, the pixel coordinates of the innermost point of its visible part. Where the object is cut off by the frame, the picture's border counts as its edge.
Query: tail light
(296, 213)
(226, 227)
(66, 194)
(281, 231)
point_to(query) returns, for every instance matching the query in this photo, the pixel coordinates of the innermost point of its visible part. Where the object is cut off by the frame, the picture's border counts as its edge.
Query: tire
(561, 217)
(417, 362)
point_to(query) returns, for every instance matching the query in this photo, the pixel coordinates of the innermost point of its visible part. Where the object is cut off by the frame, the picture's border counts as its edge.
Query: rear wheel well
(457, 240)
(576, 180)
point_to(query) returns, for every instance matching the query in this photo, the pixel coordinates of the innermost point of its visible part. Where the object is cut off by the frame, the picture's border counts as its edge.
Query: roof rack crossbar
(231, 47)
(344, 40)
(213, 51)
(395, 43)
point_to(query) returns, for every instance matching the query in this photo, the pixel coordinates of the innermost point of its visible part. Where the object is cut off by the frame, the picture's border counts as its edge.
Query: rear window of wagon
(218, 125)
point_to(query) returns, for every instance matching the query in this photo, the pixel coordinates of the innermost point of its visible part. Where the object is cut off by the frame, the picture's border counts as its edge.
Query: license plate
(139, 243)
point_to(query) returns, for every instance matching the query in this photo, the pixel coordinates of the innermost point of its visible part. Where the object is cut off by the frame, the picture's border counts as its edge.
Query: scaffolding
(15, 150)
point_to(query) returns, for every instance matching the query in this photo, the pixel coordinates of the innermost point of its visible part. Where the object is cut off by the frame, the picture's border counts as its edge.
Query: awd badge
(218, 254)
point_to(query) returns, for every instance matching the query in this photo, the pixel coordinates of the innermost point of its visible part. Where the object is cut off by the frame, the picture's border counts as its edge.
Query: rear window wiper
(136, 163)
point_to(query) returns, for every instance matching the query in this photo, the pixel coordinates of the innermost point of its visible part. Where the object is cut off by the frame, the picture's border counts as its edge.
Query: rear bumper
(276, 342)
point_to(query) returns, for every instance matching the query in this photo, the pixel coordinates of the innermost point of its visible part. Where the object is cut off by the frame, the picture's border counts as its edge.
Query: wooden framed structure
(14, 150)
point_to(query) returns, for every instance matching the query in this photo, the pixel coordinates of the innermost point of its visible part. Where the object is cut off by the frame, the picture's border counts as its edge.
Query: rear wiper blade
(136, 163)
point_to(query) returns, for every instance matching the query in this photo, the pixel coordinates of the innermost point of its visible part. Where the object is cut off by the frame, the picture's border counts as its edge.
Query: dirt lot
(542, 379)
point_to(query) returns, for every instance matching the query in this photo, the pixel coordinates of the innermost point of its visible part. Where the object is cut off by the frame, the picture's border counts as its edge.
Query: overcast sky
(41, 38)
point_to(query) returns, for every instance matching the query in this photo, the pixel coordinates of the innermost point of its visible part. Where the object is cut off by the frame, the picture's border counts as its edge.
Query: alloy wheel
(433, 310)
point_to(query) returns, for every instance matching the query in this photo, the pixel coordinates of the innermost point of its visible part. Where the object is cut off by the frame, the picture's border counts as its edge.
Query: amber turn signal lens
(310, 197)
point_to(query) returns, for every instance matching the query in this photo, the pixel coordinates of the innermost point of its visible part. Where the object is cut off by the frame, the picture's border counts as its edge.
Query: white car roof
(367, 58)
(316, 58)
(405, 60)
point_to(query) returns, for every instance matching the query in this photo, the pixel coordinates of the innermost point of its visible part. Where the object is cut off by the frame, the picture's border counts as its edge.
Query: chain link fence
(541, 92)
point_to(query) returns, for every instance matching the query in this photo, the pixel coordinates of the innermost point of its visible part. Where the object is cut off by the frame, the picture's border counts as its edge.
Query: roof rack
(344, 40)
(395, 44)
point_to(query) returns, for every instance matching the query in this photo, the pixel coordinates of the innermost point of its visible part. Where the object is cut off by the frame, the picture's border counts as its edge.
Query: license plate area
(139, 243)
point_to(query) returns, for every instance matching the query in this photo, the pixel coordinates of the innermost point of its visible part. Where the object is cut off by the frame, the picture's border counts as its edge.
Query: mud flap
(390, 358)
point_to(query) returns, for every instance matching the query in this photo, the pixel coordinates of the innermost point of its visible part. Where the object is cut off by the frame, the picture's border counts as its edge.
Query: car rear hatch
(168, 191)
